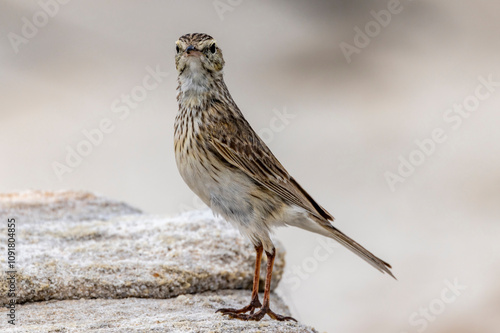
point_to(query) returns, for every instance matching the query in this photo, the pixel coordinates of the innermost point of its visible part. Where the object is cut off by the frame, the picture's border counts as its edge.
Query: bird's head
(198, 52)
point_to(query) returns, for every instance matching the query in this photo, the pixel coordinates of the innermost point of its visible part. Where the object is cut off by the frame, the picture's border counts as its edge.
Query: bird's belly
(232, 194)
(227, 191)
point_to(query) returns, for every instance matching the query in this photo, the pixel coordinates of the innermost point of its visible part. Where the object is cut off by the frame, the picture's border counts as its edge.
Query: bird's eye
(177, 48)
(213, 48)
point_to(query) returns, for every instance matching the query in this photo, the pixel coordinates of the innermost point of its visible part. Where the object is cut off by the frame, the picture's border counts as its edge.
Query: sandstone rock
(88, 252)
(68, 206)
(90, 263)
(185, 313)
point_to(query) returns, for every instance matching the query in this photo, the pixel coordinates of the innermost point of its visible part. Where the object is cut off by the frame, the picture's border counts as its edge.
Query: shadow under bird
(223, 161)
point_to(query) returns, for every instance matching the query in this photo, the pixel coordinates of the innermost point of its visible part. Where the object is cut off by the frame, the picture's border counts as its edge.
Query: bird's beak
(191, 51)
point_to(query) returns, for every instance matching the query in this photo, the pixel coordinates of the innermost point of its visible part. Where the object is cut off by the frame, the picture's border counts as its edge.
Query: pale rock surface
(108, 255)
(115, 269)
(64, 206)
(185, 313)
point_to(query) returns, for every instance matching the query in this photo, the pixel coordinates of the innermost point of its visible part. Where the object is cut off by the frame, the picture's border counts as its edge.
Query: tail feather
(325, 228)
(352, 245)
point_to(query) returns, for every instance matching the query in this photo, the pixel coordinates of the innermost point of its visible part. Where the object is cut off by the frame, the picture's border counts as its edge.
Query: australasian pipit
(231, 169)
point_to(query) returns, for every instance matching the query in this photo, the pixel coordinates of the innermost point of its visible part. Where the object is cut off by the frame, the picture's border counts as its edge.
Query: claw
(255, 316)
(255, 304)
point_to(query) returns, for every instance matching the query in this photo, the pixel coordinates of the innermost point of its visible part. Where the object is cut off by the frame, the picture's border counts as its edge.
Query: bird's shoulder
(234, 139)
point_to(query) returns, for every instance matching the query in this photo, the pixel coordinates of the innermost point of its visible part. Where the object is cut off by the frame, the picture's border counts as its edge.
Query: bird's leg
(267, 292)
(254, 303)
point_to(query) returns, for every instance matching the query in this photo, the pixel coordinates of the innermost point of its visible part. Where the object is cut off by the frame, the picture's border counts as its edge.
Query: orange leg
(254, 303)
(267, 292)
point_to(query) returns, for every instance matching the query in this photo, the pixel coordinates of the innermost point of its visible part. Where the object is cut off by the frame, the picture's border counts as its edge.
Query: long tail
(339, 236)
(325, 228)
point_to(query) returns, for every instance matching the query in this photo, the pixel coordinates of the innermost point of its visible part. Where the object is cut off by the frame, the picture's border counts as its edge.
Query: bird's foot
(254, 304)
(254, 316)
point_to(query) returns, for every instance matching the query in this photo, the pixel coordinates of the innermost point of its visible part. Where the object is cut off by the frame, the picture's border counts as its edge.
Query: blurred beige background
(348, 124)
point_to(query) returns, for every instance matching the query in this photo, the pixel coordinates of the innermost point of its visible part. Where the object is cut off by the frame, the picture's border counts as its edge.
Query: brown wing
(237, 142)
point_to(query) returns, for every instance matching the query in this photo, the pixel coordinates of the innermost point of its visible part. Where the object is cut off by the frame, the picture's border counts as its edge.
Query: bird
(230, 168)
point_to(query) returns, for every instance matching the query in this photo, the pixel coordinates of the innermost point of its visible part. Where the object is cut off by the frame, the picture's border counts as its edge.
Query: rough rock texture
(76, 247)
(185, 313)
(64, 206)
(117, 256)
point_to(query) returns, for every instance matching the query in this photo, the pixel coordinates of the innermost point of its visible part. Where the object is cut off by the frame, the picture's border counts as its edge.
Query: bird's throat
(194, 83)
